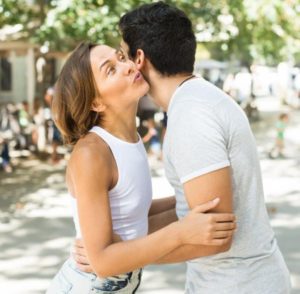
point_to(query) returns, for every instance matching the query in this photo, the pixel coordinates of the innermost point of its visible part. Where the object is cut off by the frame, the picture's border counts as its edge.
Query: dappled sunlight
(16, 180)
(287, 221)
(55, 178)
(57, 243)
(280, 188)
(295, 279)
(28, 286)
(35, 247)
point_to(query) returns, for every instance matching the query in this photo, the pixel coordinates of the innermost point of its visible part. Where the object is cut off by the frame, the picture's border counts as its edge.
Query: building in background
(25, 70)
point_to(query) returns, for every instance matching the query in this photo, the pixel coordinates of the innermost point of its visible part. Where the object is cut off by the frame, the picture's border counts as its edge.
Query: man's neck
(162, 88)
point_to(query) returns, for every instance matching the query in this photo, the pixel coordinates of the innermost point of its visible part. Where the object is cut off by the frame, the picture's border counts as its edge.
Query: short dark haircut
(164, 33)
(75, 91)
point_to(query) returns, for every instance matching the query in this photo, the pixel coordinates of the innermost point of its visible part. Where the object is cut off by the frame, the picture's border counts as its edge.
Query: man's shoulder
(199, 93)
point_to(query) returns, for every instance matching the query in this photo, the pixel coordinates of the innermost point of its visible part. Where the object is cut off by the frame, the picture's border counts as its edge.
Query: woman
(94, 107)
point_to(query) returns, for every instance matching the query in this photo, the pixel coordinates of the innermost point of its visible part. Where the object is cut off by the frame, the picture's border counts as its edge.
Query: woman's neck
(121, 124)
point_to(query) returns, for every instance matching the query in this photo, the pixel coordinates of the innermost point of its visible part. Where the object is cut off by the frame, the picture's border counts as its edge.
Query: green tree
(264, 31)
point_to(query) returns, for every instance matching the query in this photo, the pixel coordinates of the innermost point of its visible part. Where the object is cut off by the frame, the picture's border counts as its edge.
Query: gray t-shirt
(207, 131)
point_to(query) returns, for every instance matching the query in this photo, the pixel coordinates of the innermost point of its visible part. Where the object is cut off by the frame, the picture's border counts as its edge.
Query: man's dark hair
(165, 35)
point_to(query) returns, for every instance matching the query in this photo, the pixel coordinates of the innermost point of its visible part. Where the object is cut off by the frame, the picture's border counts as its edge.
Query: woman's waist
(126, 231)
(129, 230)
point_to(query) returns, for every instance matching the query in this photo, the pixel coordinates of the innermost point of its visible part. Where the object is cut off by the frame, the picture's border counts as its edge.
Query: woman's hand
(200, 228)
(78, 253)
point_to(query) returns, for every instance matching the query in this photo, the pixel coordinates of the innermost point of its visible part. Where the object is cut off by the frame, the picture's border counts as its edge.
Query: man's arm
(160, 220)
(162, 205)
(197, 191)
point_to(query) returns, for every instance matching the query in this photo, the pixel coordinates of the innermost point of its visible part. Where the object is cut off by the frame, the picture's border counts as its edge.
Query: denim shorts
(71, 280)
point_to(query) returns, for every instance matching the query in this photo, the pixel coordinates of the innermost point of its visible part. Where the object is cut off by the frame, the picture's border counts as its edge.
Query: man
(209, 151)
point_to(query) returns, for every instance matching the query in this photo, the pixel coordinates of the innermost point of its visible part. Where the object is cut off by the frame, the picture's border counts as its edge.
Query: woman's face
(118, 81)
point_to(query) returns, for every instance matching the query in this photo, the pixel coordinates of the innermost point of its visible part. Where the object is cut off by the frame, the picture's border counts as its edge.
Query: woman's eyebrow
(107, 60)
(119, 50)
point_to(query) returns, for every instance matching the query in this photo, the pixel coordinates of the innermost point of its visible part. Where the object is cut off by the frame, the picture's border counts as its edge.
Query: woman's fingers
(219, 242)
(222, 234)
(223, 217)
(206, 206)
(226, 226)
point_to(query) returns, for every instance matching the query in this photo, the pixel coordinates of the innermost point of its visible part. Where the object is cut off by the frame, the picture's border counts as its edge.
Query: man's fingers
(207, 205)
(78, 250)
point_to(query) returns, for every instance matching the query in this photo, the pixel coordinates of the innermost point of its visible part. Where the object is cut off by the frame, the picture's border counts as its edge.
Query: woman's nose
(129, 67)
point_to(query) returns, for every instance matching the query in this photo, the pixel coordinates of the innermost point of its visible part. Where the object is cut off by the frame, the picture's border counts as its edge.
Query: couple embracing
(217, 221)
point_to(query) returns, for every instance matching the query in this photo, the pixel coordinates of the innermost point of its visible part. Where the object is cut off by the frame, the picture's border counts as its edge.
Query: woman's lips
(137, 76)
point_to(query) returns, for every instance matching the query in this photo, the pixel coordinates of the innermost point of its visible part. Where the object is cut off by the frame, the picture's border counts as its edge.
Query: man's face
(138, 60)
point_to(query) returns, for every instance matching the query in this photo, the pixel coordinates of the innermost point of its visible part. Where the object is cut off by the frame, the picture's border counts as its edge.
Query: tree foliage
(265, 31)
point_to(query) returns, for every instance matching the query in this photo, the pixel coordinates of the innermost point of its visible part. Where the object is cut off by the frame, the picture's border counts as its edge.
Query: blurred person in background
(297, 87)
(38, 131)
(281, 124)
(4, 153)
(25, 123)
(53, 132)
(152, 139)
(146, 110)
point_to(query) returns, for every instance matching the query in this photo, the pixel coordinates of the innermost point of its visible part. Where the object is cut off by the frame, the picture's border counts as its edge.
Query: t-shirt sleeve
(198, 141)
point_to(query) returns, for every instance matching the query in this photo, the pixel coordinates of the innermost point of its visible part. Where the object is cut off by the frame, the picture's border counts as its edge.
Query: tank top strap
(111, 139)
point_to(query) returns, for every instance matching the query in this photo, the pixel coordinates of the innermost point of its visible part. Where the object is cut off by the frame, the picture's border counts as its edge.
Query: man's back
(208, 131)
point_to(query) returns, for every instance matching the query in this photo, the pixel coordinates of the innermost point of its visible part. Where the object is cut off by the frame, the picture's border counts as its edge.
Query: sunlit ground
(36, 226)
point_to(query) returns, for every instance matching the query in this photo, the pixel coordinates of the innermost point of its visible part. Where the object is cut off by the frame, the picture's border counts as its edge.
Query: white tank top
(130, 199)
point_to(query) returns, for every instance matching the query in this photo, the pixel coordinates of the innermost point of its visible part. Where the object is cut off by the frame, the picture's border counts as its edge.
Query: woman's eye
(111, 70)
(122, 57)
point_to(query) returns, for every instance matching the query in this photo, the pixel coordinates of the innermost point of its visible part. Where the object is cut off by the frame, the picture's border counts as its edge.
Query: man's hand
(79, 254)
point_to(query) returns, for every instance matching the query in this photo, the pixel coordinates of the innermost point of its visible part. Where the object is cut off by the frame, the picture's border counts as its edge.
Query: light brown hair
(75, 91)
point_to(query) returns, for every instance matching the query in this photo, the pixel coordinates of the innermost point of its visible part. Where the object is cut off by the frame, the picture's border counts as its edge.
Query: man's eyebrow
(107, 60)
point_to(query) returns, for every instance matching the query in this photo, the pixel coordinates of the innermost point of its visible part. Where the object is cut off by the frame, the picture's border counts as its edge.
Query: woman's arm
(91, 175)
(188, 252)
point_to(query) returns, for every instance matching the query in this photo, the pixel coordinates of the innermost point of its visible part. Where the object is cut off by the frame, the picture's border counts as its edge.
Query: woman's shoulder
(90, 149)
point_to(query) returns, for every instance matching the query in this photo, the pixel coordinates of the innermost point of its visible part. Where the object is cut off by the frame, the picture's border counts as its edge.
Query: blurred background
(250, 49)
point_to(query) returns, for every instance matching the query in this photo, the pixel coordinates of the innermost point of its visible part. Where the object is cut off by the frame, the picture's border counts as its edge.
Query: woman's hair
(75, 91)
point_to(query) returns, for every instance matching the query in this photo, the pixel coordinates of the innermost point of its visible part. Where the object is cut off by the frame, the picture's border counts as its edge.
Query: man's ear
(139, 59)
(97, 105)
